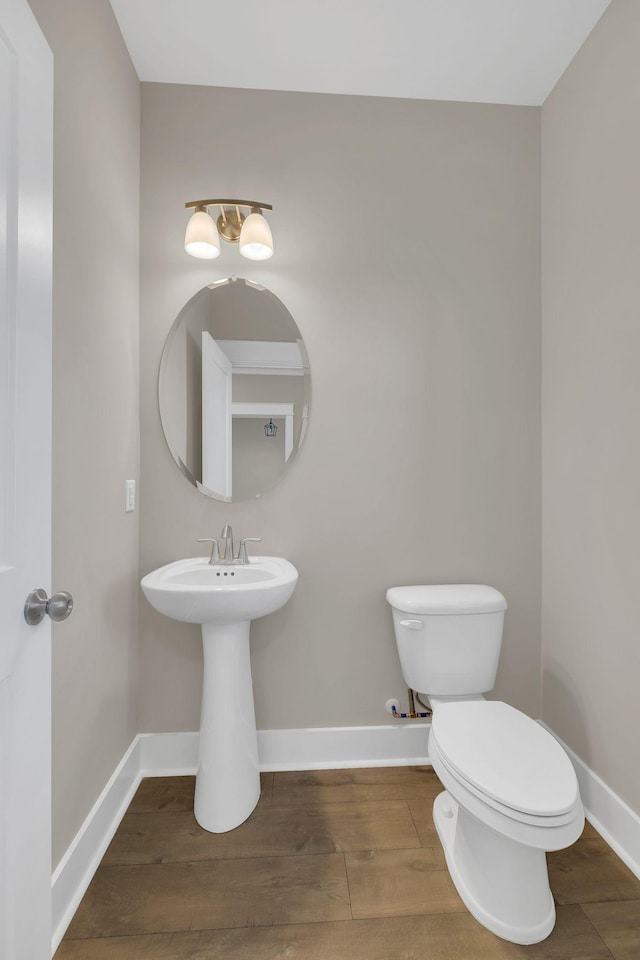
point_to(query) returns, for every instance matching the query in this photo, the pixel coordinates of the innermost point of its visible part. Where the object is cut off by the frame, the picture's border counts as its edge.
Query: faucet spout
(226, 539)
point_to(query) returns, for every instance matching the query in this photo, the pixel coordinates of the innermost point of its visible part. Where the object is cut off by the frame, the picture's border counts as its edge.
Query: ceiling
(488, 51)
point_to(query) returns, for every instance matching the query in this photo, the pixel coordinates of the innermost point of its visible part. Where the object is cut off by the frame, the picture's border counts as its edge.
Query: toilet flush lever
(412, 624)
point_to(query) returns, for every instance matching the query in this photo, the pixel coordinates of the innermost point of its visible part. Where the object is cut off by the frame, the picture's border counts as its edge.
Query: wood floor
(332, 865)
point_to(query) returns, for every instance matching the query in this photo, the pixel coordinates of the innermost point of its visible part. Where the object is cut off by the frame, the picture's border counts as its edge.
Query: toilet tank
(449, 637)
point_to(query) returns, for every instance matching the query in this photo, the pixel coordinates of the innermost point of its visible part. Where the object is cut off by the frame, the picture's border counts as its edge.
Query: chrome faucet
(242, 557)
(226, 540)
(223, 550)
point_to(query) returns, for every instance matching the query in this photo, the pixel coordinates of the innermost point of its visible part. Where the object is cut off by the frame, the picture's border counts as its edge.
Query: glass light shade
(256, 242)
(201, 239)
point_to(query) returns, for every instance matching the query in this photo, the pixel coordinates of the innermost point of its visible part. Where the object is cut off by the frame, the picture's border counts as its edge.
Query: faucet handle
(215, 554)
(242, 552)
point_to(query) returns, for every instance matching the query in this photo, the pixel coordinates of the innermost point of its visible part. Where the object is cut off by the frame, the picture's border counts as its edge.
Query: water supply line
(412, 714)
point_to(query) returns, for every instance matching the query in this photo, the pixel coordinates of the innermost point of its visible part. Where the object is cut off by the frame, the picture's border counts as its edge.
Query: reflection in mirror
(234, 390)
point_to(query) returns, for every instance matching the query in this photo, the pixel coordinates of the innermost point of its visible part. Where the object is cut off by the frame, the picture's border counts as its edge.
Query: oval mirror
(234, 390)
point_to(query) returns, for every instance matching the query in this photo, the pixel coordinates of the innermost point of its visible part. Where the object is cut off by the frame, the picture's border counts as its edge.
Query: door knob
(38, 605)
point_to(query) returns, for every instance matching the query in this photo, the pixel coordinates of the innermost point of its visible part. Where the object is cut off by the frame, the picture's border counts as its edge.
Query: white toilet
(510, 790)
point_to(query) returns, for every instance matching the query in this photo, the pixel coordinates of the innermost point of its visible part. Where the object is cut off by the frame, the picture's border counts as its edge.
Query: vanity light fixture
(250, 231)
(270, 429)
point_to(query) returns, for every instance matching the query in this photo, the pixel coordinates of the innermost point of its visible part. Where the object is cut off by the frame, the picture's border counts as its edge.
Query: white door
(216, 418)
(26, 133)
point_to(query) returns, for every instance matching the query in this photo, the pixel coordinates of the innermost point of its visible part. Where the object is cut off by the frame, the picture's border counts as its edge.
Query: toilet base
(504, 884)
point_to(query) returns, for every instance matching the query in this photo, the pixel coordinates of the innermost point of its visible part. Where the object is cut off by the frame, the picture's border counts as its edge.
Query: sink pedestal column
(228, 778)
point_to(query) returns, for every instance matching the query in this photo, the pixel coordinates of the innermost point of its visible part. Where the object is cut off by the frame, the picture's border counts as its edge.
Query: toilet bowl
(510, 795)
(511, 792)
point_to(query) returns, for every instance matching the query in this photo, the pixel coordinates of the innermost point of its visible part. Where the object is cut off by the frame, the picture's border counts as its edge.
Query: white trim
(258, 411)
(264, 357)
(618, 824)
(168, 754)
(327, 748)
(75, 871)
(217, 458)
(314, 748)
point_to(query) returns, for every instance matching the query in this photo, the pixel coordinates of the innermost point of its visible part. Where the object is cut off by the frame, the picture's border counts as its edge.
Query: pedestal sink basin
(196, 591)
(224, 599)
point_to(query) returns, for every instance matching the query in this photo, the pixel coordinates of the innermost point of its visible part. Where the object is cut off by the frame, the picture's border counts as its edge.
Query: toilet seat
(483, 798)
(484, 786)
(506, 759)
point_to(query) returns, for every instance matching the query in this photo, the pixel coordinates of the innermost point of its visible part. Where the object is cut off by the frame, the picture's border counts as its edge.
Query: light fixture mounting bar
(229, 203)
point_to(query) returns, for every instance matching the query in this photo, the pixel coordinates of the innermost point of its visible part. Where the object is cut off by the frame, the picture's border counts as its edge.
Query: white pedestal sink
(224, 599)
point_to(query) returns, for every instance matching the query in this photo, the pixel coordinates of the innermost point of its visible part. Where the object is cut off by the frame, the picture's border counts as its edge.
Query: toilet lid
(506, 756)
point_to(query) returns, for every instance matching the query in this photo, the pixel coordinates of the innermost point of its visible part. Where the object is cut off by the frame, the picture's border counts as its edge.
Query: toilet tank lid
(447, 599)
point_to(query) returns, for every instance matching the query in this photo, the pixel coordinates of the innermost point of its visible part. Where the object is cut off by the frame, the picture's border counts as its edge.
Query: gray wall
(407, 249)
(95, 400)
(591, 401)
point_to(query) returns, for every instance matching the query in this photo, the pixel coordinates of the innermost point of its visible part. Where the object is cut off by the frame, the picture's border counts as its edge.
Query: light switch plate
(130, 496)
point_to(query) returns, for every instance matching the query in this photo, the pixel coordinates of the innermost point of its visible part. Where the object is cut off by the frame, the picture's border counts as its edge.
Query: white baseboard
(325, 748)
(613, 819)
(321, 748)
(168, 754)
(316, 748)
(73, 874)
